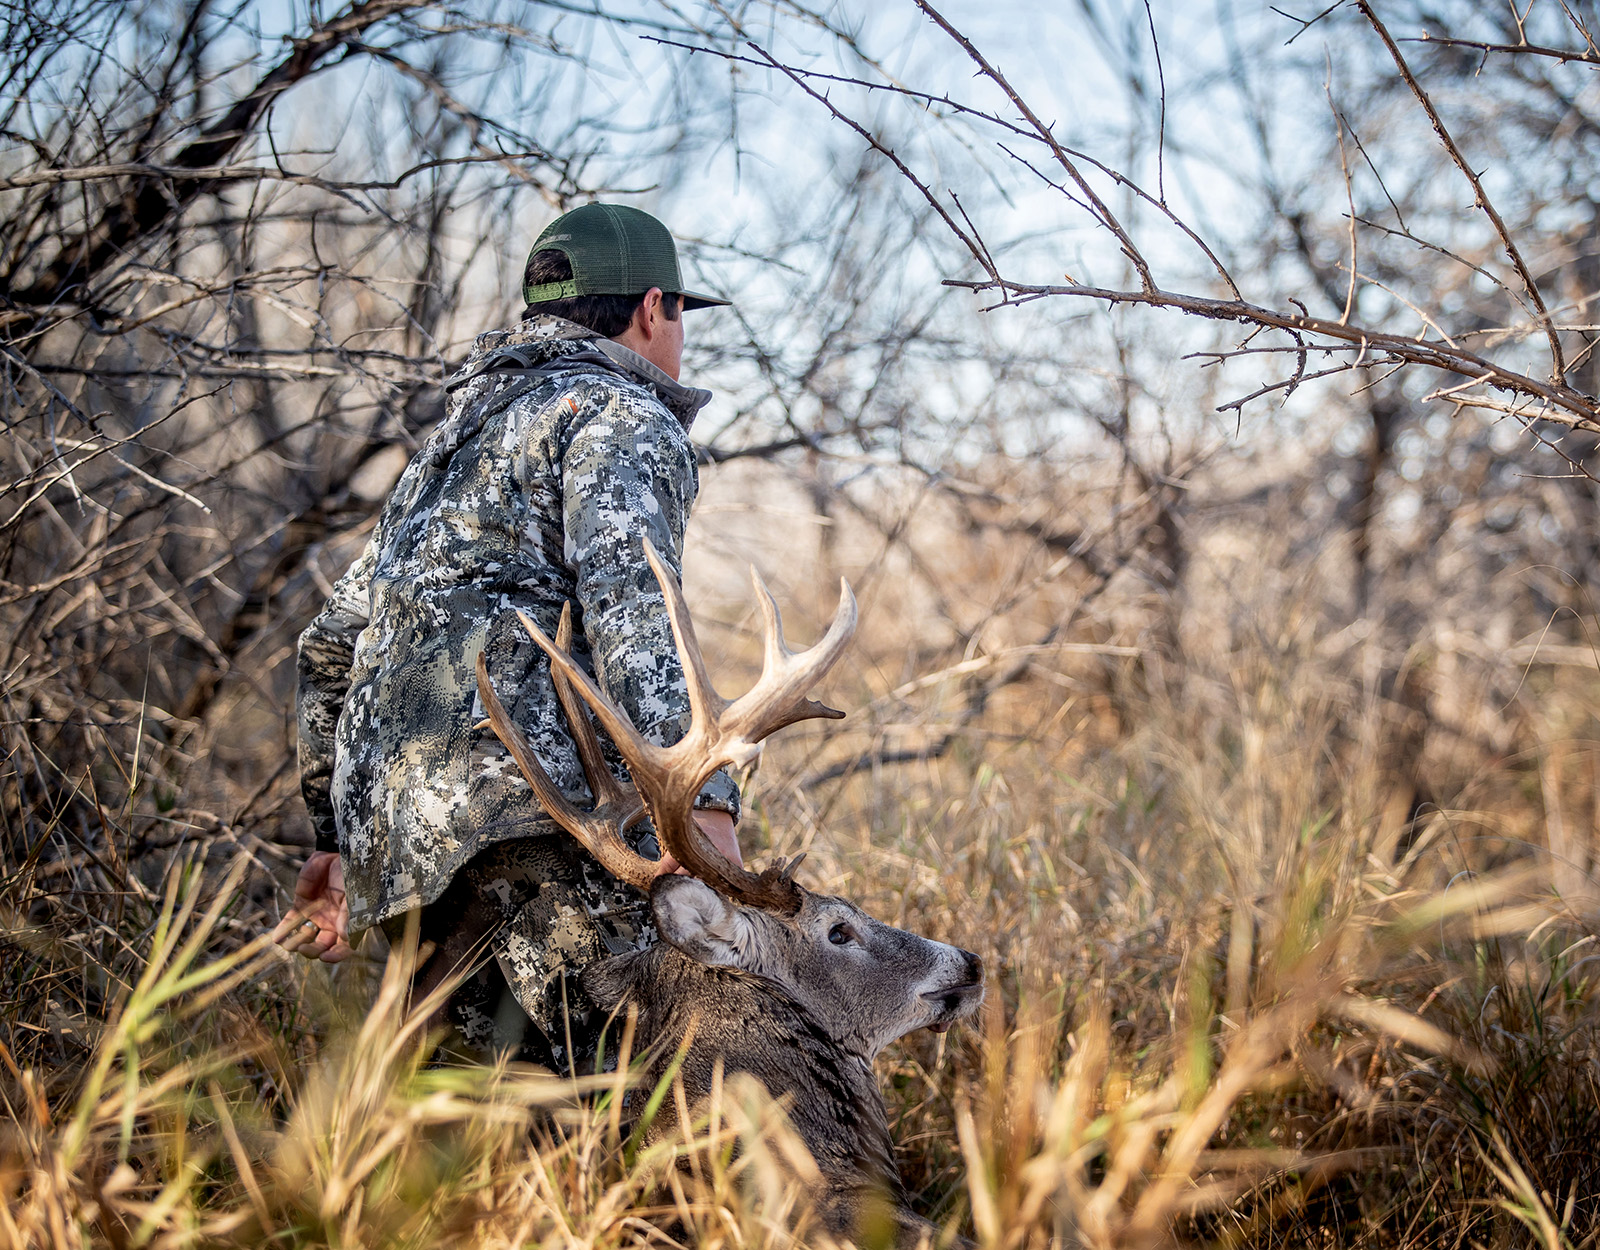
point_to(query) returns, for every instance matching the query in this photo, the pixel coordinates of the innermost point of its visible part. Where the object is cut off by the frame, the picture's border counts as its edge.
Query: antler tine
(705, 704)
(777, 698)
(602, 783)
(613, 720)
(616, 807)
(774, 647)
(735, 736)
(670, 778)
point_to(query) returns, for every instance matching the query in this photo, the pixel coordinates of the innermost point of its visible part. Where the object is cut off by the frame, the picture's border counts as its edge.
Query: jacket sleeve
(628, 473)
(327, 650)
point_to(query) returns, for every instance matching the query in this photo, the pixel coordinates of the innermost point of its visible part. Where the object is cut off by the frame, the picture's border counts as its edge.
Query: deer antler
(720, 733)
(617, 807)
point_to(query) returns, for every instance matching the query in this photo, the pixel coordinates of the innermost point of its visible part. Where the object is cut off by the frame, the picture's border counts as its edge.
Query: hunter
(565, 443)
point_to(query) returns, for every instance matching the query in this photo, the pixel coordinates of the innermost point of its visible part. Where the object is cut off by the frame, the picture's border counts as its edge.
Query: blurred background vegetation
(1227, 547)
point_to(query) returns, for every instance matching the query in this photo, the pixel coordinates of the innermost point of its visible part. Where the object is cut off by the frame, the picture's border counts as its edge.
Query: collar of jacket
(544, 341)
(682, 401)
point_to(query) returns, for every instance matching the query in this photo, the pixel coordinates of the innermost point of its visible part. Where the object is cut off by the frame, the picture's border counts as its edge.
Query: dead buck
(800, 990)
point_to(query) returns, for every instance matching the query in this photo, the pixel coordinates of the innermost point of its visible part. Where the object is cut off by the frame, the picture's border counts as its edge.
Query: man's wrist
(719, 794)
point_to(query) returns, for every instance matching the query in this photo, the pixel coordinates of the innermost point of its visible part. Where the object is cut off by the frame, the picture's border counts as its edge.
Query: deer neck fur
(751, 1023)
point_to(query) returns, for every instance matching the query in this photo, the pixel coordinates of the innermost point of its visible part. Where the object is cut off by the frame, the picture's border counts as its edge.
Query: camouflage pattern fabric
(542, 924)
(560, 451)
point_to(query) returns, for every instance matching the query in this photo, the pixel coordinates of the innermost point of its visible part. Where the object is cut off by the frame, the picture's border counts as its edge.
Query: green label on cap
(549, 291)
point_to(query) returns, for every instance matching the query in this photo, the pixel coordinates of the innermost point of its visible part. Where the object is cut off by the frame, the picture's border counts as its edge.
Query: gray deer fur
(804, 1003)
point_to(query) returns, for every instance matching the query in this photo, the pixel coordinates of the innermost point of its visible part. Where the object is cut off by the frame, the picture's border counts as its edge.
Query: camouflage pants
(533, 913)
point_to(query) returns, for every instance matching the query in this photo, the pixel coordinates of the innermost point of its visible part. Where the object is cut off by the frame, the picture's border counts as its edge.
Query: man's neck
(648, 349)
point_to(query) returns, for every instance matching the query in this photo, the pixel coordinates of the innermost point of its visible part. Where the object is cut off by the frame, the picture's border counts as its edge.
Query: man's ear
(700, 922)
(650, 313)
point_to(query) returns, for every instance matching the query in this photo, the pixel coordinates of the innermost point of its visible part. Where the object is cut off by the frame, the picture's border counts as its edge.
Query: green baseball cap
(614, 250)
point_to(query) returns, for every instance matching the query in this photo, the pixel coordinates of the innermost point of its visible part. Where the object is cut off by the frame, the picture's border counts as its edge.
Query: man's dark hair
(606, 315)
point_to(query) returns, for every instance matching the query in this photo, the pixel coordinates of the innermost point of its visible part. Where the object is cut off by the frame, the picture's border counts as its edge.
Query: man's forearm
(326, 652)
(720, 832)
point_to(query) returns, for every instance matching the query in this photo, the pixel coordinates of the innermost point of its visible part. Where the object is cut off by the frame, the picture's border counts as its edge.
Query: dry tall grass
(1250, 985)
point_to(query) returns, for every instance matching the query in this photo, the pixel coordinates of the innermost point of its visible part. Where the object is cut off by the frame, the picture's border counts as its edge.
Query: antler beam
(721, 733)
(617, 807)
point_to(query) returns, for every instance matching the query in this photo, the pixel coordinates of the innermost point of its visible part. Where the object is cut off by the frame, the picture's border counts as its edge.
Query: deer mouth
(952, 1003)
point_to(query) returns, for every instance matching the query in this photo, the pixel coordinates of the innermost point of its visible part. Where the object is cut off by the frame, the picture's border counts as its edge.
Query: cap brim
(692, 300)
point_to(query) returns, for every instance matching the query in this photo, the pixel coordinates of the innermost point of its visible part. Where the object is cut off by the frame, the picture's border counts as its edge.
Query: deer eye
(840, 935)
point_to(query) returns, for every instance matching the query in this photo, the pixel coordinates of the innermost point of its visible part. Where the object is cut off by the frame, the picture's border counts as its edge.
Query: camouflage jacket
(559, 451)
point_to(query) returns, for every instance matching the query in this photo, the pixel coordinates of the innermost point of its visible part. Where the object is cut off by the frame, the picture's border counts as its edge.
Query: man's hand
(318, 925)
(718, 828)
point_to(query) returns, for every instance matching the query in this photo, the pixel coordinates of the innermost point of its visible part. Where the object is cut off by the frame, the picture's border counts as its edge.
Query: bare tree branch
(1481, 197)
(1559, 402)
(1564, 55)
(147, 204)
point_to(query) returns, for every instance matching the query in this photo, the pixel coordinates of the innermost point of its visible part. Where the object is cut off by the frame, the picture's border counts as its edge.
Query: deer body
(800, 990)
(804, 1004)
(832, 1096)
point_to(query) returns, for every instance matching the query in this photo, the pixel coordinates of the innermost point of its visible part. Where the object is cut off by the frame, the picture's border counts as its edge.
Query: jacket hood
(545, 340)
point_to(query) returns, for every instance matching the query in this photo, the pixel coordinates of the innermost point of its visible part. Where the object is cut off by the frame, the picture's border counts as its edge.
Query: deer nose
(974, 968)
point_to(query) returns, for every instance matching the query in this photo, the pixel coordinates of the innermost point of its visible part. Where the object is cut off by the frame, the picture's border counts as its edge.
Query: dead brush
(167, 1141)
(1228, 943)
(1066, 1134)
(1519, 1129)
(1071, 1138)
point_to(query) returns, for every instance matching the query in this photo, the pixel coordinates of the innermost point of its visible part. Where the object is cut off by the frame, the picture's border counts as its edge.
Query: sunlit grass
(1047, 1124)
(1244, 990)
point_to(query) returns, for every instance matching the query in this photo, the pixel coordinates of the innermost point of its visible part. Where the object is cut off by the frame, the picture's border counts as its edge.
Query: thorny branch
(1480, 196)
(1530, 398)
(1101, 210)
(1559, 402)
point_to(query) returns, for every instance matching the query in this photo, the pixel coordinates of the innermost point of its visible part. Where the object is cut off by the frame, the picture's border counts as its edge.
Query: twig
(247, 172)
(1481, 200)
(1568, 405)
(1161, 122)
(1588, 55)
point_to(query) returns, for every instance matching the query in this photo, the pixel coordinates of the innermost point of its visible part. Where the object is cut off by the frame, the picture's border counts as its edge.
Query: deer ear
(693, 917)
